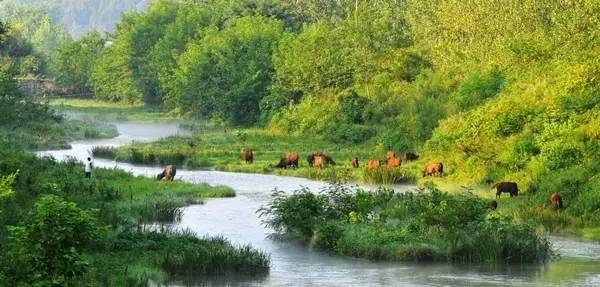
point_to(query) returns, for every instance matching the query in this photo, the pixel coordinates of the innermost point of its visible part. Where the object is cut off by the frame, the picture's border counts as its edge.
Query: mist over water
(297, 265)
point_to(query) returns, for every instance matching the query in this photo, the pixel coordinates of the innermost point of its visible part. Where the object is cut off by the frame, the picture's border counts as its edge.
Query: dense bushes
(45, 249)
(59, 228)
(423, 225)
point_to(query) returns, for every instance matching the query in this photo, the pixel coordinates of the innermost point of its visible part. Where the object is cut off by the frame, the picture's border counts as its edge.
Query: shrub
(45, 249)
(478, 87)
(425, 225)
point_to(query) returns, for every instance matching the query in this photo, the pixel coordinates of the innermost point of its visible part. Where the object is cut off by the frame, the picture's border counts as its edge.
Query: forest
(497, 91)
(502, 92)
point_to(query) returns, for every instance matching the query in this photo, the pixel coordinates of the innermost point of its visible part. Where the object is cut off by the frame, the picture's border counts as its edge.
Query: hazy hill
(79, 16)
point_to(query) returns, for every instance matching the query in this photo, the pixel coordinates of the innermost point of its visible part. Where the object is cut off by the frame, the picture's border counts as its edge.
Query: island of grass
(425, 225)
(103, 230)
(214, 148)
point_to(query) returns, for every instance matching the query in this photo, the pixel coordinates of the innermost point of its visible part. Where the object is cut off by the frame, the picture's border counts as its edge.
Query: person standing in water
(88, 167)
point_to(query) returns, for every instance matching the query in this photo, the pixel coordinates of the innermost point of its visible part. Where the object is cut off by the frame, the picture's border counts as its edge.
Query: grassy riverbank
(428, 225)
(212, 148)
(106, 218)
(109, 111)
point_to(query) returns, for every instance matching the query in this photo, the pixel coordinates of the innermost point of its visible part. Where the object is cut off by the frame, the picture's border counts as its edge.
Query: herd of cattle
(321, 160)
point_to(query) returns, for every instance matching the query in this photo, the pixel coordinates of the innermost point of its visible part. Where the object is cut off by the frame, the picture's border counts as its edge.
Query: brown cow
(390, 154)
(374, 164)
(355, 162)
(168, 173)
(319, 161)
(493, 205)
(292, 159)
(436, 169)
(556, 200)
(311, 159)
(508, 187)
(248, 156)
(394, 161)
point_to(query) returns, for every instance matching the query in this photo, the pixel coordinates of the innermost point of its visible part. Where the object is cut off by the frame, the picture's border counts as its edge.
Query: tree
(227, 73)
(74, 61)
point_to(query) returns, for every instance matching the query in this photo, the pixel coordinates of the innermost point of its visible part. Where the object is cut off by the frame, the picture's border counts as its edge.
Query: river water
(295, 265)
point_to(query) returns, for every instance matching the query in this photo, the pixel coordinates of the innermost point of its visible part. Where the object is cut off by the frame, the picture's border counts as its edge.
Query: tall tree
(226, 74)
(74, 61)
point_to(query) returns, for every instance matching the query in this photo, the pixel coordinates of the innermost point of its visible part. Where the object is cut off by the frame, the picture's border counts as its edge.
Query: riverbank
(214, 148)
(236, 219)
(109, 111)
(211, 148)
(119, 247)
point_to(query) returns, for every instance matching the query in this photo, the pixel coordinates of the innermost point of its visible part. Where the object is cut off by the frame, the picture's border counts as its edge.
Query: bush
(425, 225)
(45, 249)
(349, 133)
(478, 87)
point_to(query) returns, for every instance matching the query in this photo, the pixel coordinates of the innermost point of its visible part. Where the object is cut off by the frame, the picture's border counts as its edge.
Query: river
(295, 265)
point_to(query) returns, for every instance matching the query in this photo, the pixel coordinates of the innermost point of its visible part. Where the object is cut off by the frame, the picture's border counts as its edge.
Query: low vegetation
(211, 147)
(28, 124)
(427, 225)
(107, 221)
(89, 109)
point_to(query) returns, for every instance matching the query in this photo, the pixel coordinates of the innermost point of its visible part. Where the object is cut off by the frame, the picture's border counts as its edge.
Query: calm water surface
(295, 265)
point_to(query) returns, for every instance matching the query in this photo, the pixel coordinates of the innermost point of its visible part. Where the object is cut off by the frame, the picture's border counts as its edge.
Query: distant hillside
(79, 16)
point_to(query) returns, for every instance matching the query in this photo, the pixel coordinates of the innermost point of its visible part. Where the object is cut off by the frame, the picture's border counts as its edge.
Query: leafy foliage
(45, 249)
(425, 225)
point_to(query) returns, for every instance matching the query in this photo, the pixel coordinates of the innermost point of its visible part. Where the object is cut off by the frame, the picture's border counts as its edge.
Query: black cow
(508, 187)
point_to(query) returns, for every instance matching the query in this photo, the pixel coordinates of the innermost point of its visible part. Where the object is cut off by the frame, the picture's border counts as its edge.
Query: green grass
(211, 148)
(107, 111)
(124, 252)
(428, 225)
(55, 135)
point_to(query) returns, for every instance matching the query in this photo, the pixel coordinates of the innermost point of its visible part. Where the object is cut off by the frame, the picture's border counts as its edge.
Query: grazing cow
(283, 163)
(289, 160)
(493, 205)
(508, 187)
(394, 161)
(320, 161)
(436, 169)
(374, 164)
(411, 156)
(248, 156)
(168, 173)
(556, 200)
(311, 159)
(355, 162)
(292, 158)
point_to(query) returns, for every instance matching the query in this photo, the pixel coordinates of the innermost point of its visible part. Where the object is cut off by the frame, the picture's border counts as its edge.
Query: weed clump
(427, 225)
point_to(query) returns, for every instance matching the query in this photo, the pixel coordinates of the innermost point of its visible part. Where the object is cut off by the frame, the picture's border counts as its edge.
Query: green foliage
(426, 225)
(33, 33)
(226, 74)
(46, 247)
(94, 235)
(477, 88)
(74, 61)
